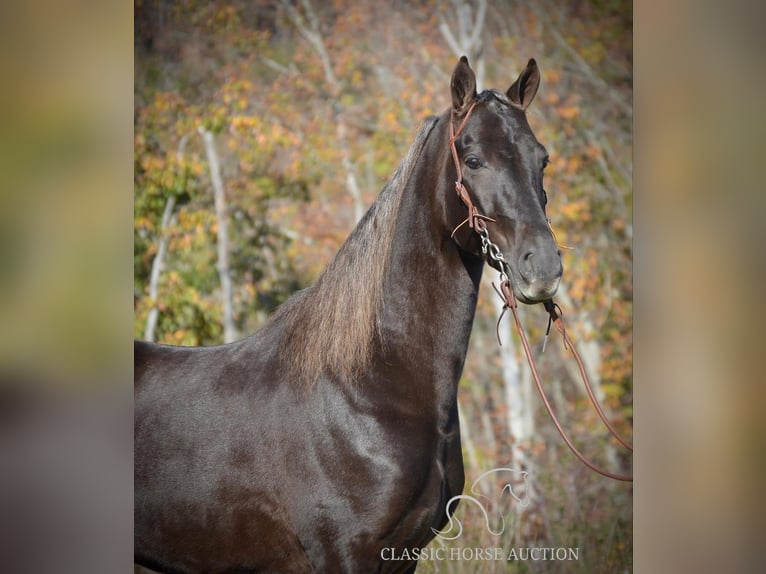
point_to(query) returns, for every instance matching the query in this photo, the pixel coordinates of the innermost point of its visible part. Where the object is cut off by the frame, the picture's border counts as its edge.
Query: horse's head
(502, 163)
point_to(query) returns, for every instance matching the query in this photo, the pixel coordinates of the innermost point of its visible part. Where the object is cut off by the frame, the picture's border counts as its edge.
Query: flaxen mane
(329, 327)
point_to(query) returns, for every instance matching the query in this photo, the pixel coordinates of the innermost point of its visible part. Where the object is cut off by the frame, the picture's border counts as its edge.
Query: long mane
(330, 326)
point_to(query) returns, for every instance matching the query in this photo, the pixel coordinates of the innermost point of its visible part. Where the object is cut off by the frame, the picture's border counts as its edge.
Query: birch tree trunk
(517, 393)
(224, 271)
(168, 219)
(157, 266)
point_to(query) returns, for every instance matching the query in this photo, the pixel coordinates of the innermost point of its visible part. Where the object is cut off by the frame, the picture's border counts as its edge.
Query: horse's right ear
(463, 85)
(523, 90)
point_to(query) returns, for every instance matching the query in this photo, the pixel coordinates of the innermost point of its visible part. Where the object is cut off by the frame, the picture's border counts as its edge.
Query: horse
(329, 440)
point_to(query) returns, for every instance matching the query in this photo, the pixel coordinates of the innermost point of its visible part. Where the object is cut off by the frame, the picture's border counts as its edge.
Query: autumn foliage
(291, 127)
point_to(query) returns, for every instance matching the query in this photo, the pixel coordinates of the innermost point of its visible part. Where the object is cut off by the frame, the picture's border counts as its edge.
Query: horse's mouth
(530, 293)
(537, 291)
(539, 296)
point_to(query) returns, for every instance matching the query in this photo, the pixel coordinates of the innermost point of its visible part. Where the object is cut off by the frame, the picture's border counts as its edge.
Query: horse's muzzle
(539, 275)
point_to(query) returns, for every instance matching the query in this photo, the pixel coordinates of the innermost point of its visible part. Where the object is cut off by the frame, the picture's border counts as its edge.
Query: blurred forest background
(265, 129)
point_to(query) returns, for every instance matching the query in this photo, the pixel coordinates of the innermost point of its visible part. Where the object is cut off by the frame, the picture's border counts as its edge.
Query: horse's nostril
(526, 266)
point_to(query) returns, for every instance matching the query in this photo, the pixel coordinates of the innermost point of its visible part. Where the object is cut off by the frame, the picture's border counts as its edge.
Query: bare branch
(466, 44)
(274, 65)
(311, 15)
(313, 34)
(583, 67)
(478, 25)
(449, 37)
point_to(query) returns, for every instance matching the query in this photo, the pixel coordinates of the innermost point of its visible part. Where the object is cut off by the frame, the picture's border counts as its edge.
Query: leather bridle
(476, 221)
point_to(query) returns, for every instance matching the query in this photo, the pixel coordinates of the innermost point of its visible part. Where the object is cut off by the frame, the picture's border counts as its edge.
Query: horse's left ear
(463, 85)
(523, 90)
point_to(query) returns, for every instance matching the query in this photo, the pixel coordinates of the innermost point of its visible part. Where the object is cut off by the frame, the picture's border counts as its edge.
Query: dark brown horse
(331, 436)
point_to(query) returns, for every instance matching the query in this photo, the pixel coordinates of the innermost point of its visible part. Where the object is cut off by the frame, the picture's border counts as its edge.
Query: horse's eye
(546, 161)
(545, 198)
(473, 162)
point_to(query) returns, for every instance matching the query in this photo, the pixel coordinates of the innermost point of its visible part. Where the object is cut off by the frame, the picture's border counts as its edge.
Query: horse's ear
(463, 85)
(523, 90)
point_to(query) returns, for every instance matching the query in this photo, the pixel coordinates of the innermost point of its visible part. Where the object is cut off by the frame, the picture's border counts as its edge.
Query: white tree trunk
(520, 419)
(168, 218)
(157, 265)
(224, 272)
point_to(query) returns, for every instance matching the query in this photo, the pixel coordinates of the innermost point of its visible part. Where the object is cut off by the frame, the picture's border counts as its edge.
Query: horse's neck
(429, 297)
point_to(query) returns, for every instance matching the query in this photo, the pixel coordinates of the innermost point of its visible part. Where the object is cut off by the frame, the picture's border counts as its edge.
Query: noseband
(490, 250)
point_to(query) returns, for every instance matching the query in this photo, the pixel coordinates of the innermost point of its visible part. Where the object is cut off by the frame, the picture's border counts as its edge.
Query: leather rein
(477, 222)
